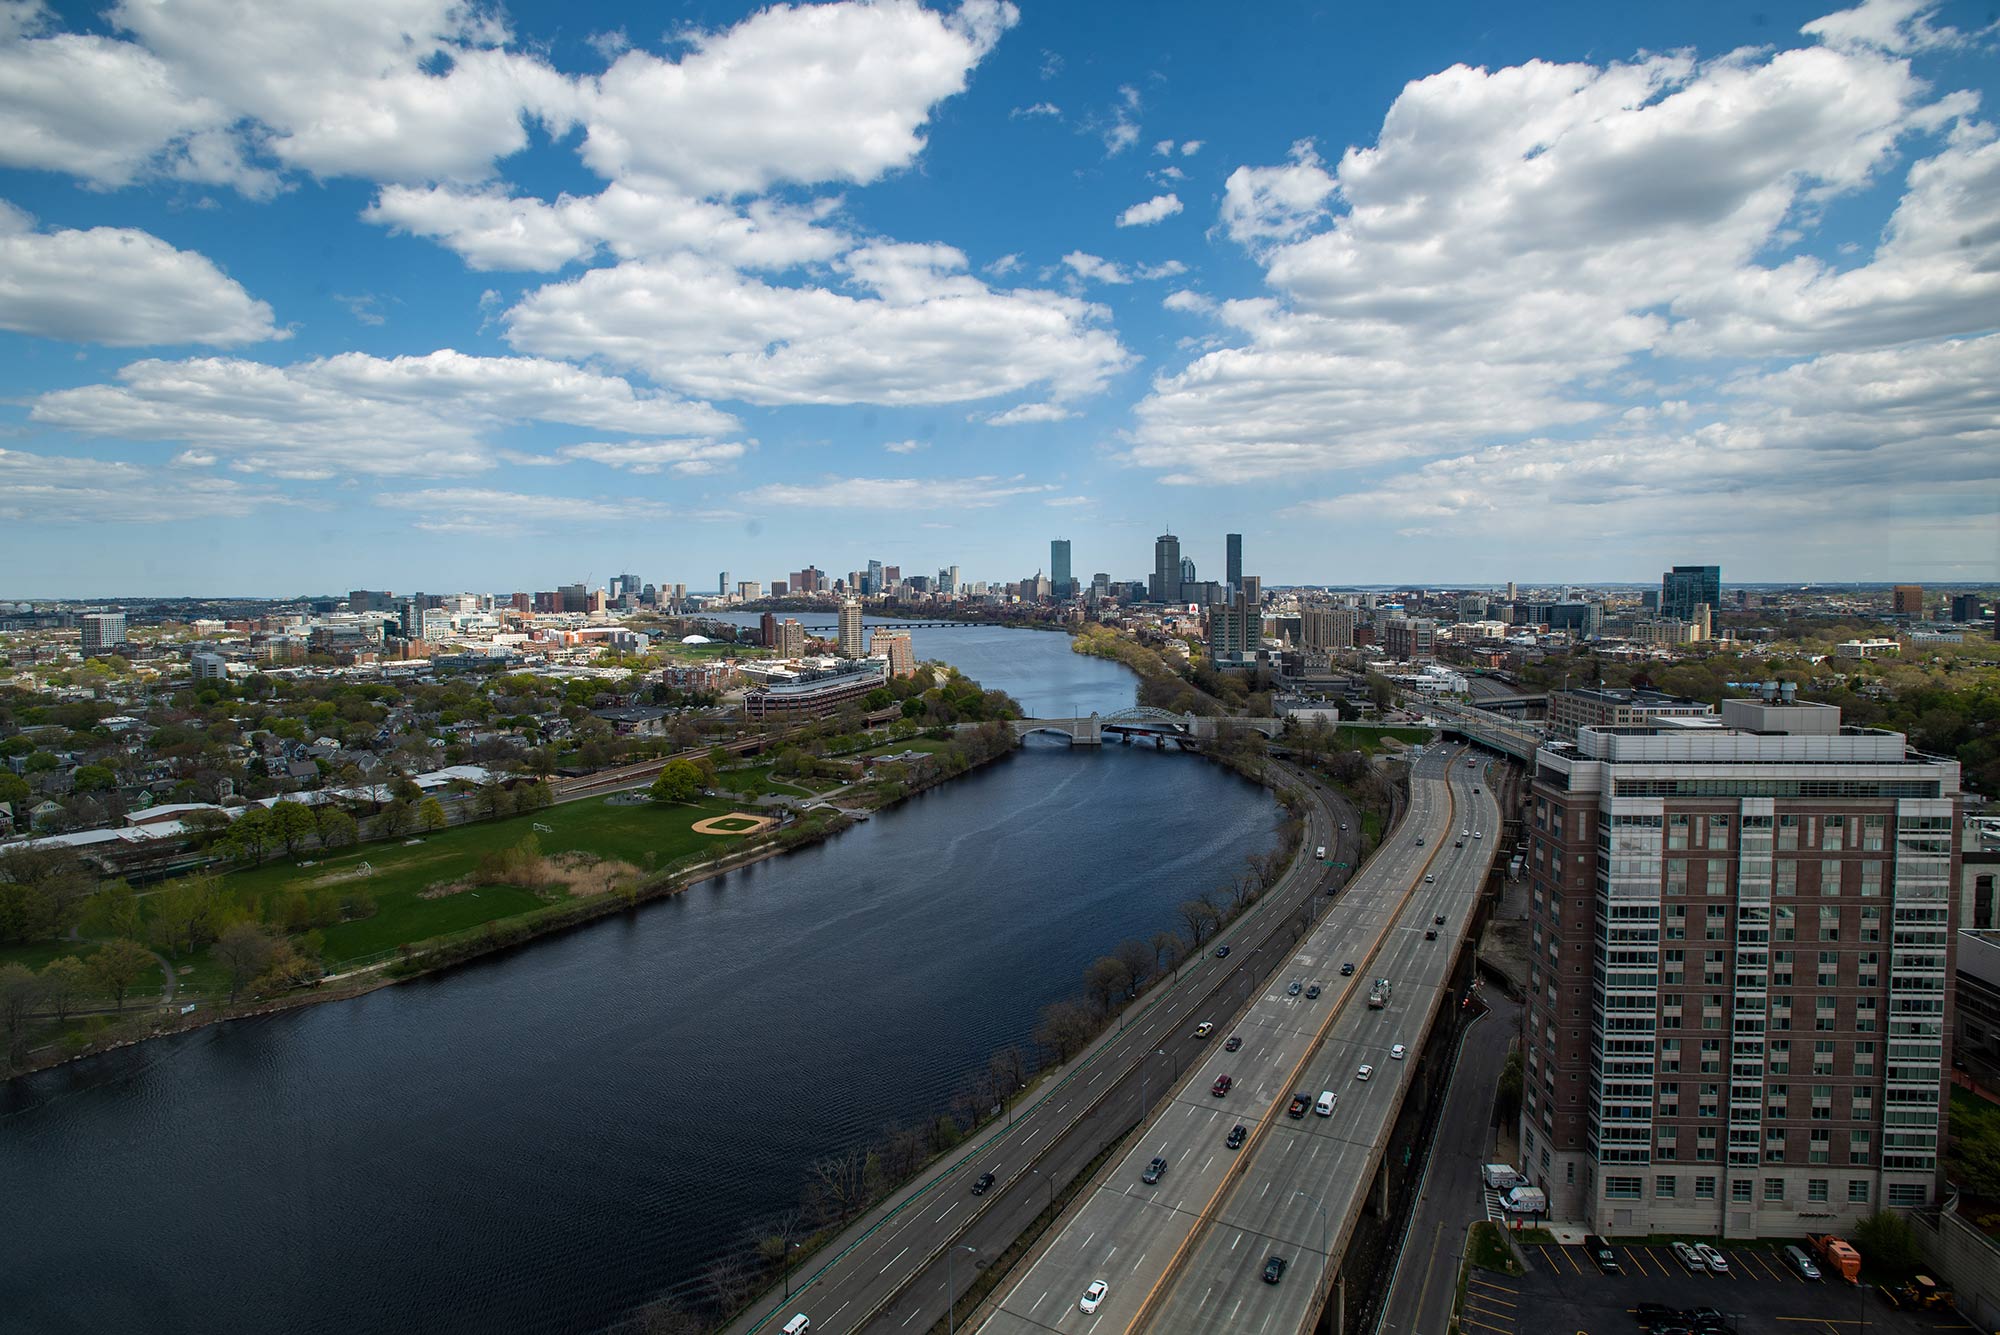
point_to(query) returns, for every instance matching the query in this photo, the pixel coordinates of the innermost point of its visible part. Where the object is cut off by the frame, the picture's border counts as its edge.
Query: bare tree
(837, 1185)
(1198, 916)
(1065, 1028)
(1107, 980)
(904, 1150)
(1166, 950)
(728, 1279)
(1139, 960)
(1010, 1071)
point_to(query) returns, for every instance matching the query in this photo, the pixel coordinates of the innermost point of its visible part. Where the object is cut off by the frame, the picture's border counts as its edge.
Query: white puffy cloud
(688, 458)
(1192, 147)
(798, 93)
(119, 286)
(1515, 238)
(1095, 268)
(920, 330)
(909, 494)
(1119, 127)
(906, 446)
(1031, 412)
(1899, 27)
(53, 489)
(355, 413)
(1156, 209)
(1034, 110)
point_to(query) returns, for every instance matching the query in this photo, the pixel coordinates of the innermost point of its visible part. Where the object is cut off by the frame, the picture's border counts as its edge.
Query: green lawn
(757, 781)
(1368, 737)
(646, 836)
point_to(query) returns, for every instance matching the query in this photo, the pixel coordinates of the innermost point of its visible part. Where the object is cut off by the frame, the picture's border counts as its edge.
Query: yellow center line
(1241, 1168)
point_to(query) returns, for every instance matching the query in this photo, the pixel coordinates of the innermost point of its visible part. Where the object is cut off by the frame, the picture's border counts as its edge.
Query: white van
(1327, 1098)
(798, 1325)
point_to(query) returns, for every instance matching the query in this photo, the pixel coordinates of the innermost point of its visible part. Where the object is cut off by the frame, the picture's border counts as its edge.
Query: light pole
(788, 1268)
(951, 1290)
(1048, 1182)
(1018, 1091)
(1324, 1259)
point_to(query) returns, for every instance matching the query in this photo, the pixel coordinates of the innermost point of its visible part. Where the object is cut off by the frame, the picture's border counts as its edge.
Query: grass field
(1368, 737)
(646, 836)
(757, 781)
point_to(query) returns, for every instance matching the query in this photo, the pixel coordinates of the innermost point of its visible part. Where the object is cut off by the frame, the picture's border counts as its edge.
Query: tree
(430, 814)
(1974, 1158)
(112, 911)
(1167, 949)
(1887, 1241)
(185, 914)
(293, 822)
(1139, 960)
(679, 781)
(1065, 1028)
(337, 829)
(63, 981)
(1198, 916)
(117, 965)
(251, 835)
(243, 950)
(20, 993)
(1107, 980)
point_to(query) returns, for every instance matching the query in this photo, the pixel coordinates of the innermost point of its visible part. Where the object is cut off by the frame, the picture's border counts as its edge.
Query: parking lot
(1564, 1291)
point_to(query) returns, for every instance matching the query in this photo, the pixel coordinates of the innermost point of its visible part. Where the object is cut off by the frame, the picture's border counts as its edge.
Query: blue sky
(392, 293)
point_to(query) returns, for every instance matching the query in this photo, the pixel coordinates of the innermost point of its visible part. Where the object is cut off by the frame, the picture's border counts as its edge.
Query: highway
(1188, 1254)
(897, 1272)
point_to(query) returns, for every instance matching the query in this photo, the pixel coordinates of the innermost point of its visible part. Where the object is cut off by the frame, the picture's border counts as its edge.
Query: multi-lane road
(1189, 1252)
(900, 1269)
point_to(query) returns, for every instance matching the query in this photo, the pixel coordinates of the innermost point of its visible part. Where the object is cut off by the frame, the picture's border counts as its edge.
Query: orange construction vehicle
(1839, 1256)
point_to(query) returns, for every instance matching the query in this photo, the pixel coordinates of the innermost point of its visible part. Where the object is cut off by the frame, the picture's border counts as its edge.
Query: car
(1343, 825)
(1430, 880)
(1600, 1252)
(1235, 1042)
(1714, 1259)
(981, 1183)
(1093, 1297)
(1236, 1136)
(1154, 1171)
(1689, 1257)
(1655, 1314)
(1477, 835)
(1397, 1052)
(1299, 1105)
(1703, 1318)
(1364, 1072)
(1222, 952)
(1439, 920)
(1420, 841)
(798, 1325)
(1295, 988)
(1312, 993)
(1796, 1258)
(1274, 1270)
(1465, 834)
(1459, 844)
(1204, 1029)
(1430, 934)
(1347, 969)
(1475, 790)
(1221, 1085)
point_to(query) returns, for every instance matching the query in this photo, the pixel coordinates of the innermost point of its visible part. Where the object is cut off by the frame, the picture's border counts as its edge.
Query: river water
(540, 1141)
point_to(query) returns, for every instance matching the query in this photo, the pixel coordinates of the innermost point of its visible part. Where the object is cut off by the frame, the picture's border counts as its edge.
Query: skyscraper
(1233, 561)
(722, 584)
(102, 632)
(1059, 577)
(852, 642)
(1907, 600)
(1165, 586)
(1684, 588)
(893, 645)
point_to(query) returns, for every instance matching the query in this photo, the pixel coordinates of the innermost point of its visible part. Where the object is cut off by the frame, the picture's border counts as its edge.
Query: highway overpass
(1188, 1253)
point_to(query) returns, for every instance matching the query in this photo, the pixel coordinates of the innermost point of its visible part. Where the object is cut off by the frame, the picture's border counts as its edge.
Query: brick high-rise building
(1409, 639)
(1907, 600)
(893, 645)
(1740, 972)
(852, 643)
(1325, 629)
(791, 639)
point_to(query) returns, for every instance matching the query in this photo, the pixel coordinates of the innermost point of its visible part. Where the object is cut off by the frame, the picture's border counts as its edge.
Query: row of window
(1743, 1190)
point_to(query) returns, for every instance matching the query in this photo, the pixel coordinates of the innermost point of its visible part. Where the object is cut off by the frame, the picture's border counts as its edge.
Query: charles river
(541, 1141)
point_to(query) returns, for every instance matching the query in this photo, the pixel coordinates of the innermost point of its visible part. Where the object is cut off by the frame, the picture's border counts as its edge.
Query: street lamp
(951, 1290)
(1324, 1259)
(1018, 1091)
(788, 1268)
(1049, 1182)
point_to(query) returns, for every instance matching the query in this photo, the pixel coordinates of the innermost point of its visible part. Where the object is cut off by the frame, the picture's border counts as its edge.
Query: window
(1718, 832)
(1829, 922)
(1833, 832)
(1816, 1190)
(1857, 1191)
(1718, 877)
(1788, 832)
(1829, 876)
(1908, 1194)
(1785, 877)
(1704, 1188)
(1663, 1187)
(1740, 1190)
(1774, 1188)
(1622, 1188)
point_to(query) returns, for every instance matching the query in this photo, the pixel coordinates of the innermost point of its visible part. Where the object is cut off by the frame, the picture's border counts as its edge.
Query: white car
(1465, 834)
(1430, 880)
(1475, 834)
(1712, 1258)
(1093, 1297)
(1364, 1073)
(1396, 1053)
(1689, 1257)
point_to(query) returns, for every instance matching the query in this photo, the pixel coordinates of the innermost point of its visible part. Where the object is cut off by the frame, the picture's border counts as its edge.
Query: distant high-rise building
(891, 576)
(371, 600)
(748, 590)
(1967, 607)
(1252, 588)
(767, 630)
(871, 579)
(1684, 587)
(1165, 586)
(1059, 577)
(680, 595)
(893, 645)
(808, 581)
(596, 602)
(1235, 631)
(791, 639)
(1907, 600)
(1188, 576)
(949, 578)
(1232, 565)
(1409, 639)
(780, 587)
(102, 632)
(852, 643)
(1511, 594)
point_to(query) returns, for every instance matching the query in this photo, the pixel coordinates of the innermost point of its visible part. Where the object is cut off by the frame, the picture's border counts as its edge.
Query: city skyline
(1002, 272)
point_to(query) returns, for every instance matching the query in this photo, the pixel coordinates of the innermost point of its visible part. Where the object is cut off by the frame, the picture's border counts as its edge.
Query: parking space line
(1776, 1272)
(1471, 1311)
(1637, 1257)
(1573, 1263)
(1470, 1293)
(1498, 1330)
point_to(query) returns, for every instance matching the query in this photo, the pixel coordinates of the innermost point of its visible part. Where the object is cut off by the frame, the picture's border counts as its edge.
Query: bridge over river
(1142, 721)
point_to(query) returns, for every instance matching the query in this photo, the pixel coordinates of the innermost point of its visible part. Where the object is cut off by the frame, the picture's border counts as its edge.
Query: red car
(1221, 1086)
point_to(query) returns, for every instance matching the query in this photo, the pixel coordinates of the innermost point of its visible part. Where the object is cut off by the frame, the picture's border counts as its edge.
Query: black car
(1153, 1172)
(1347, 969)
(1274, 1270)
(1655, 1314)
(1237, 1134)
(981, 1183)
(1439, 920)
(1299, 1105)
(1600, 1252)
(1235, 1042)
(1222, 952)
(1312, 993)
(1431, 934)
(1706, 1318)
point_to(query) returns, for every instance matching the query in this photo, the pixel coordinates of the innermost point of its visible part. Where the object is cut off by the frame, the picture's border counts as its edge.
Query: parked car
(1364, 1072)
(1704, 1318)
(1689, 1257)
(1236, 1136)
(1600, 1252)
(1093, 1297)
(1397, 1052)
(1312, 993)
(1802, 1264)
(1235, 1042)
(1712, 1258)
(1221, 1086)
(1274, 1270)
(981, 1183)
(1154, 1171)
(1299, 1105)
